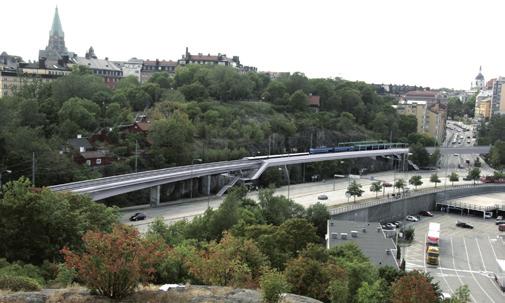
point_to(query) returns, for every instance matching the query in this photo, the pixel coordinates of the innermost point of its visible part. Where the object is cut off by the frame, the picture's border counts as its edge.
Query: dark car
(386, 184)
(425, 213)
(464, 225)
(137, 217)
(467, 178)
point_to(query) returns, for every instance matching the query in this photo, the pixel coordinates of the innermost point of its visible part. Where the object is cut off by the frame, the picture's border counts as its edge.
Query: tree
(318, 215)
(435, 157)
(354, 189)
(474, 174)
(277, 209)
(413, 287)
(376, 187)
(272, 285)
(400, 184)
(231, 262)
(36, 225)
(461, 295)
(434, 179)
(114, 264)
(420, 155)
(497, 154)
(298, 101)
(194, 91)
(416, 181)
(372, 293)
(453, 177)
(338, 291)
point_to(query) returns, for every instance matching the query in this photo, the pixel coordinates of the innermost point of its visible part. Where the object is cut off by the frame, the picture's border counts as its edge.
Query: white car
(411, 219)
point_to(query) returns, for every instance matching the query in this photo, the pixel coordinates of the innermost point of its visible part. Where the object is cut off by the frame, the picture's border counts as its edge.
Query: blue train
(356, 146)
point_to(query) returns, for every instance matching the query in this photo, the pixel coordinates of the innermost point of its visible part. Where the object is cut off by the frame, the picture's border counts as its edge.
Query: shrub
(409, 234)
(273, 284)
(65, 276)
(113, 264)
(23, 270)
(18, 283)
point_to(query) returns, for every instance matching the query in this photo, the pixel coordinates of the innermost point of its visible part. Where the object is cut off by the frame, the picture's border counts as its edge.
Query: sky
(418, 42)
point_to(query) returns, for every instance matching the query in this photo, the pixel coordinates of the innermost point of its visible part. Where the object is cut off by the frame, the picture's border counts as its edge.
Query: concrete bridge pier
(154, 199)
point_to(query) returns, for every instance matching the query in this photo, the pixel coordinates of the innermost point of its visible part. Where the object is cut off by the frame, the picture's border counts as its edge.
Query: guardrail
(463, 205)
(374, 201)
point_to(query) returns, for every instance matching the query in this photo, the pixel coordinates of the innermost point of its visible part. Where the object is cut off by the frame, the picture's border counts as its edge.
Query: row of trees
(355, 189)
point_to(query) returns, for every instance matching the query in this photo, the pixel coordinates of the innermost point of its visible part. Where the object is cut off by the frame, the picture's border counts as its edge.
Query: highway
(111, 186)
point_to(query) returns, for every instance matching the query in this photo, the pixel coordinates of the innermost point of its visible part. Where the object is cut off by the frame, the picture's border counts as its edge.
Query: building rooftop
(77, 143)
(373, 243)
(421, 93)
(96, 63)
(95, 154)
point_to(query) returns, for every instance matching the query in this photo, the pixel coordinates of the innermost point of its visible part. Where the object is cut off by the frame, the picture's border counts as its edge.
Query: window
(98, 161)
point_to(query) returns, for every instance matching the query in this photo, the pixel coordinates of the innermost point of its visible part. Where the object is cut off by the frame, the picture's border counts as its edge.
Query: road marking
(496, 258)
(442, 273)
(470, 267)
(456, 271)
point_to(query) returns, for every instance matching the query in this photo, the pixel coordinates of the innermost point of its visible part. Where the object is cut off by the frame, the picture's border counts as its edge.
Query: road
(307, 194)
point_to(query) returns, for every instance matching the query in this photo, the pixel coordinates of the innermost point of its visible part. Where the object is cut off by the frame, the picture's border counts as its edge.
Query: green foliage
(400, 184)
(420, 155)
(474, 174)
(376, 187)
(497, 154)
(461, 295)
(409, 233)
(454, 177)
(372, 293)
(36, 225)
(338, 291)
(272, 285)
(354, 189)
(318, 215)
(416, 181)
(21, 270)
(18, 283)
(277, 209)
(435, 179)
(457, 109)
(65, 277)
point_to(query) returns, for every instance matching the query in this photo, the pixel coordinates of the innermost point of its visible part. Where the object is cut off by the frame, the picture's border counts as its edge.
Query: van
(501, 227)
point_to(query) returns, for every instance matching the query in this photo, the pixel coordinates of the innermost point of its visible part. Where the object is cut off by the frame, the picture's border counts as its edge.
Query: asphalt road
(466, 256)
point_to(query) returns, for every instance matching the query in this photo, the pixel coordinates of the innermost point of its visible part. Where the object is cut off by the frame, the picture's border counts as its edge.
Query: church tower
(479, 81)
(56, 48)
(56, 35)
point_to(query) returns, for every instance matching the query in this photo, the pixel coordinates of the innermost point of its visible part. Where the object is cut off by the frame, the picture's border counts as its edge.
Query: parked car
(397, 223)
(464, 225)
(488, 215)
(467, 178)
(426, 213)
(137, 217)
(411, 219)
(498, 222)
(501, 227)
(386, 184)
(322, 197)
(390, 226)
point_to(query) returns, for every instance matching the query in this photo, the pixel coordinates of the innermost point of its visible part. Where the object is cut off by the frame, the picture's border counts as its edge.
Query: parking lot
(467, 256)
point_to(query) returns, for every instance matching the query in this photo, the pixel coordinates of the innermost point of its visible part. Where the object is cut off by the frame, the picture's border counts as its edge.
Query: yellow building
(13, 79)
(483, 108)
(431, 117)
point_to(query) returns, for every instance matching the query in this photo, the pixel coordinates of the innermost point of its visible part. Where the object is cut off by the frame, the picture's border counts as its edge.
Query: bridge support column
(154, 200)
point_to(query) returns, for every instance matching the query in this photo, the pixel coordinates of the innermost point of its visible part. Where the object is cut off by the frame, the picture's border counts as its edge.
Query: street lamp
(6, 171)
(191, 175)
(287, 176)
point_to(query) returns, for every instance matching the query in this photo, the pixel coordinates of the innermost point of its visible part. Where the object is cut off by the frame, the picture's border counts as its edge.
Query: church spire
(56, 29)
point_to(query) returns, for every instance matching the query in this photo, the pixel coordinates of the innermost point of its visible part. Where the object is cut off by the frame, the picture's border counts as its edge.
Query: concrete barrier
(391, 209)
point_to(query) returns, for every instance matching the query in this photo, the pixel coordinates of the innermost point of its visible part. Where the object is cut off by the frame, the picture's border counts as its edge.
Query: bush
(18, 283)
(65, 276)
(113, 264)
(409, 234)
(22, 270)
(273, 284)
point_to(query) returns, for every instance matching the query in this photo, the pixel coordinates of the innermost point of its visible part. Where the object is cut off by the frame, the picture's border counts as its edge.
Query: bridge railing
(365, 203)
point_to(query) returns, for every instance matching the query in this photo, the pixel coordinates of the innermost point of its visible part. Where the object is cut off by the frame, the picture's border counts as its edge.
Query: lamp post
(287, 176)
(2, 172)
(191, 175)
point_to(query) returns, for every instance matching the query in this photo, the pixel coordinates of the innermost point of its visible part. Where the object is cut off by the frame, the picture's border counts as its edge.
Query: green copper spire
(56, 28)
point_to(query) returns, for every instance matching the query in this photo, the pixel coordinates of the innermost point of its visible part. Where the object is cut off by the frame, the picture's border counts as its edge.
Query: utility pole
(136, 155)
(33, 169)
